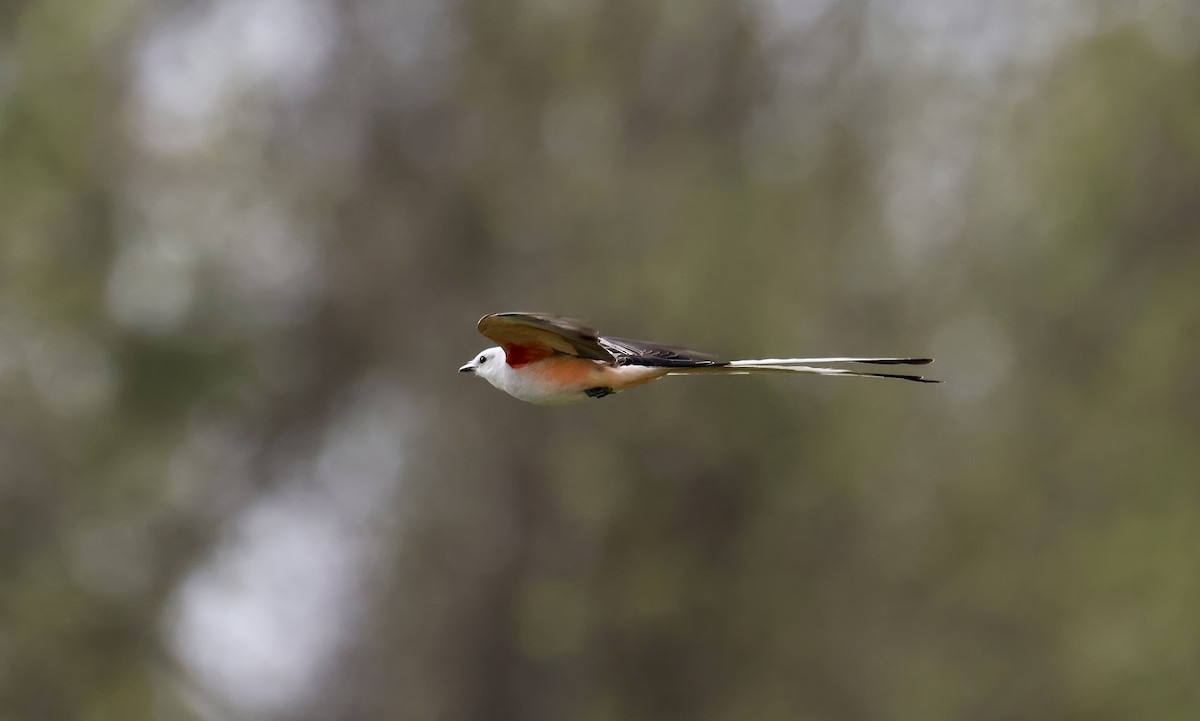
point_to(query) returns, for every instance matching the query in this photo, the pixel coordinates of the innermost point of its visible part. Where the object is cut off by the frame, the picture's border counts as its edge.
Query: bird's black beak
(468, 368)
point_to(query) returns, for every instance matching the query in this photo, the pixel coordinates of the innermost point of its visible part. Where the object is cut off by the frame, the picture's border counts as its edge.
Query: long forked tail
(806, 366)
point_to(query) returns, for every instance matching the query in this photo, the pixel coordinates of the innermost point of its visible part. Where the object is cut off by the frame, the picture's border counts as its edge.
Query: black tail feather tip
(915, 379)
(899, 361)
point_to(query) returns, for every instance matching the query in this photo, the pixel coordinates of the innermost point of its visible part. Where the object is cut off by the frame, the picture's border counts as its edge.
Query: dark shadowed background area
(243, 247)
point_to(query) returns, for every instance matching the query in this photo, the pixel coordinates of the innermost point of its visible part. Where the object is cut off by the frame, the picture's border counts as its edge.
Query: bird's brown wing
(526, 337)
(646, 353)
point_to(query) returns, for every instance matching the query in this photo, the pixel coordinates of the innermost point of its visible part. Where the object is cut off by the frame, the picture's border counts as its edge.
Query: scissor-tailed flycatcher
(552, 360)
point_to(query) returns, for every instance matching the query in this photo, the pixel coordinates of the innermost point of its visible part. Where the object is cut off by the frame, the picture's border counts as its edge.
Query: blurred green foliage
(243, 245)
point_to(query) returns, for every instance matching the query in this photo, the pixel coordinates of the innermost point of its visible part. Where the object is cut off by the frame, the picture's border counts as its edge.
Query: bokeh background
(244, 243)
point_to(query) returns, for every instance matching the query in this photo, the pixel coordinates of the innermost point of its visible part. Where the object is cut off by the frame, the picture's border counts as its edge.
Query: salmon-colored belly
(567, 372)
(564, 379)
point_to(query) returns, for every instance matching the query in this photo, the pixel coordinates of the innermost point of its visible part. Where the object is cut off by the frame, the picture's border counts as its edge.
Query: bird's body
(561, 379)
(552, 360)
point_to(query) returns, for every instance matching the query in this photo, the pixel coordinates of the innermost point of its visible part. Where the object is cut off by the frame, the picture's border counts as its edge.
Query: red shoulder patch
(519, 355)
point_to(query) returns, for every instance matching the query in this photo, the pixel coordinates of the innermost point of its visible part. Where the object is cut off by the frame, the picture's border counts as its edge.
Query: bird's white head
(489, 365)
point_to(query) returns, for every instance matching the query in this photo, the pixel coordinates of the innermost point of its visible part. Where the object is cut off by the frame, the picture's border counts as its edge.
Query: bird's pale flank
(553, 360)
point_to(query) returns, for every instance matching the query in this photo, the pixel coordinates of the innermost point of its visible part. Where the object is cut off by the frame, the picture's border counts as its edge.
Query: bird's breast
(566, 379)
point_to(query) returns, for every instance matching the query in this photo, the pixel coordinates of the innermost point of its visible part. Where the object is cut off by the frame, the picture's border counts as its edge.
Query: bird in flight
(553, 360)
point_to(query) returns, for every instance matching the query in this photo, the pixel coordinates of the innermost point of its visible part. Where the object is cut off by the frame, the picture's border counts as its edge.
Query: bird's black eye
(482, 359)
